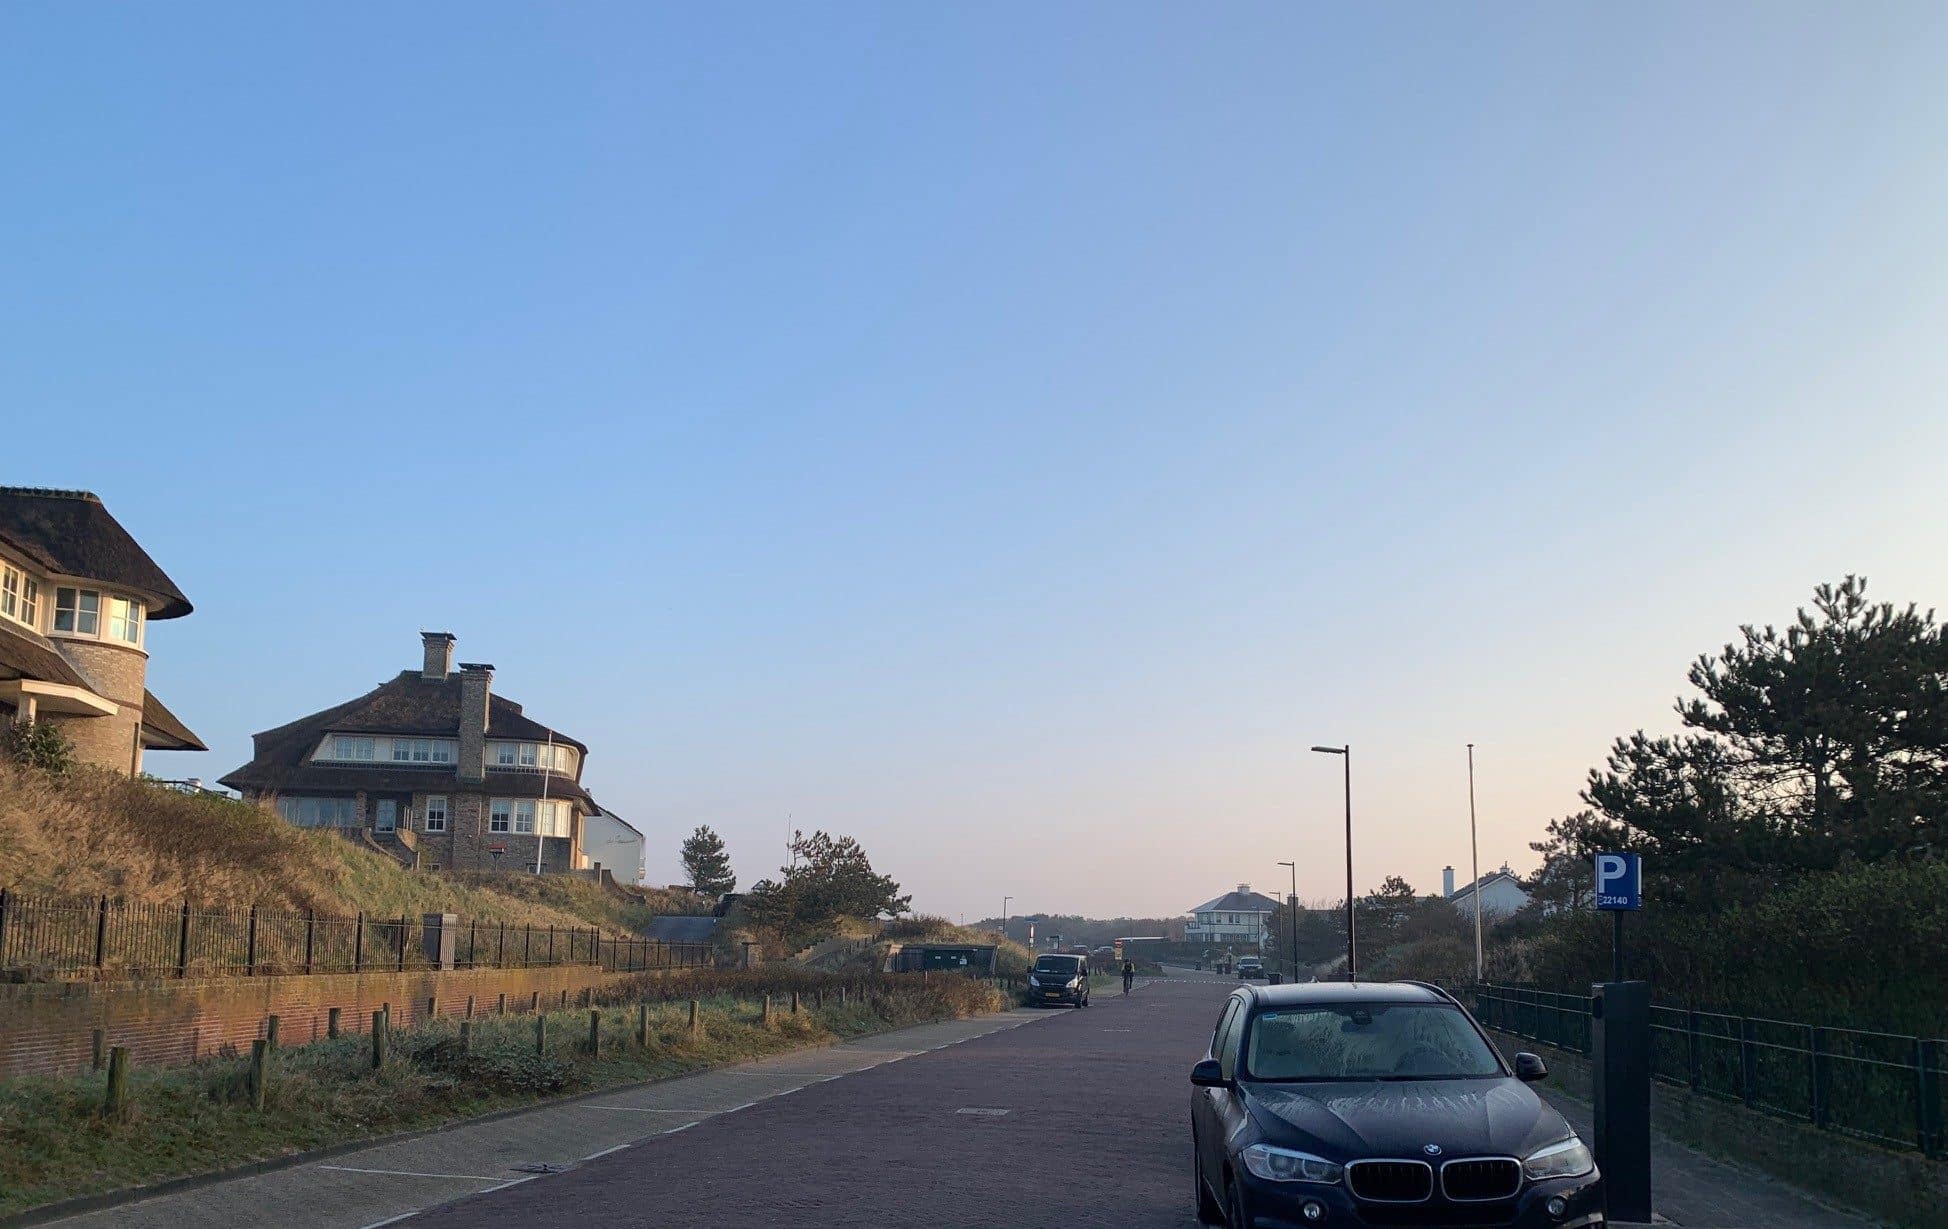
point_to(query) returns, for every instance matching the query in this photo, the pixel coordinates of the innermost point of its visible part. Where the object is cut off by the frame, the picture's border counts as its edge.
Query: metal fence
(52, 938)
(1883, 1087)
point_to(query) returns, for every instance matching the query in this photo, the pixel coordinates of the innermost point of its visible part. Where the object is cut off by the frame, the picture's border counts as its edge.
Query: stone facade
(114, 672)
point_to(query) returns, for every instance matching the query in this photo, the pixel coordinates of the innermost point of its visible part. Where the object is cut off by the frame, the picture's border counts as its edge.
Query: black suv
(1059, 979)
(1376, 1103)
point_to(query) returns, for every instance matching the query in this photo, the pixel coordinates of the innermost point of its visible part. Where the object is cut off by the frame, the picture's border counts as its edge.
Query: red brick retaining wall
(47, 1029)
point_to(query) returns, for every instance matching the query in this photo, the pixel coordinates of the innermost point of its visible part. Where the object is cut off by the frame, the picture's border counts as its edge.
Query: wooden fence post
(101, 934)
(541, 1033)
(696, 1019)
(331, 1022)
(765, 1018)
(642, 1023)
(260, 1072)
(500, 959)
(470, 1007)
(99, 1055)
(378, 1040)
(594, 1032)
(794, 1002)
(500, 1004)
(466, 1038)
(270, 1031)
(115, 1098)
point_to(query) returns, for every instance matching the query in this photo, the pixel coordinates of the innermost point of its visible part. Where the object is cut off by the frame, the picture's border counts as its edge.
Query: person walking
(1129, 975)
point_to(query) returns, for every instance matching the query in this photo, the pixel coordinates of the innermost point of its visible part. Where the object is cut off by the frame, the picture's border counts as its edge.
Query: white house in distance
(1501, 892)
(613, 842)
(1235, 918)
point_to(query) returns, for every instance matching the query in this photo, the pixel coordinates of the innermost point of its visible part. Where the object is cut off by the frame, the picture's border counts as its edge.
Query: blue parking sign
(1619, 881)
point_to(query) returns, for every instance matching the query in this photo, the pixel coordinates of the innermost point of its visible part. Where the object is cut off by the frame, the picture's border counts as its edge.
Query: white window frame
(77, 612)
(313, 811)
(125, 615)
(354, 748)
(530, 755)
(500, 813)
(505, 754)
(433, 818)
(524, 816)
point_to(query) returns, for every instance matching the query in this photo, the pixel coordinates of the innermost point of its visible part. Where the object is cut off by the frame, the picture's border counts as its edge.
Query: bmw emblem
(1431, 1149)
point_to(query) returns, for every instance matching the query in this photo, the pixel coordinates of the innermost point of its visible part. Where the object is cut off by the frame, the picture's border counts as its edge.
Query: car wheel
(1235, 1216)
(1208, 1211)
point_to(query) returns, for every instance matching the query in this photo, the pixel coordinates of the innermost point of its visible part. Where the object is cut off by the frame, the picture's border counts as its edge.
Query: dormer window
(553, 757)
(353, 747)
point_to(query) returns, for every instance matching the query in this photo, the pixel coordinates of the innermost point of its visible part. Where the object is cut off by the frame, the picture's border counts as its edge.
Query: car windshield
(1378, 1041)
(1057, 964)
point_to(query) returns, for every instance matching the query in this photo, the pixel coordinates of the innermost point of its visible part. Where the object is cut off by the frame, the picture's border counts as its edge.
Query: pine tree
(705, 861)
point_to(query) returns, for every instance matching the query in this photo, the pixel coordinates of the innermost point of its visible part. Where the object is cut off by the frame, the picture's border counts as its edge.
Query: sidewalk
(388, 1182)
(1694, 1191)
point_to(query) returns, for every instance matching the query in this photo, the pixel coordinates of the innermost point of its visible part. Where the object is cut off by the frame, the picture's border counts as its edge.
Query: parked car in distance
(1336, 1103)
(1059, 978)
(1249, 967)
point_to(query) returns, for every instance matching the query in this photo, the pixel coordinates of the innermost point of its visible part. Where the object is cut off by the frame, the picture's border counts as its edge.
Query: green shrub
(38, 745)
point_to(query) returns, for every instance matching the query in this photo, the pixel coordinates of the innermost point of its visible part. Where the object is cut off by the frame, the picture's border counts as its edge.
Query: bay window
(125, 620)
(532, 816)
(77, 611)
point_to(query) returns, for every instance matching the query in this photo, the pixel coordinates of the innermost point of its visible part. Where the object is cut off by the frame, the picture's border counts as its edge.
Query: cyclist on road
(1129, 975)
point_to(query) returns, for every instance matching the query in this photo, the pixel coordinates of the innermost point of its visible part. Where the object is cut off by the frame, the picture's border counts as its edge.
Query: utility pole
(1005, 902)
(1474, 858)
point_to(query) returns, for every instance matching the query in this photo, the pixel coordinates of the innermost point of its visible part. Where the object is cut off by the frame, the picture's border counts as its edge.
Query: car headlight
(1568, 1159)
(1285, 1165)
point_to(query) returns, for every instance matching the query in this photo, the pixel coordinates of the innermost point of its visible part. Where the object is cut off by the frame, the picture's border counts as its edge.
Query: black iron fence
(1883, 1087)
(51, 938)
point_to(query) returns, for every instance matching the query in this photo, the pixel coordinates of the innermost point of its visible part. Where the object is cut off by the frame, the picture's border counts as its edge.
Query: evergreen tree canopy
(706, 863)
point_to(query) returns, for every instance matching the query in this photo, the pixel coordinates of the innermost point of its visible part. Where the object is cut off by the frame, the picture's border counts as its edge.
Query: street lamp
(1292, 907)
(1474, 858)
(1352, 946)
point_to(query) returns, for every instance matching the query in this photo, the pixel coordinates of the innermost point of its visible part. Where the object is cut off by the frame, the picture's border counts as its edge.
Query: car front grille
(1391, 1181)
(1481, 1178)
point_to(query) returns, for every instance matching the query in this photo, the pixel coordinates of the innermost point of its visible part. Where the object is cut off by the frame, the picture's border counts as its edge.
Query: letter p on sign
(1619, 881)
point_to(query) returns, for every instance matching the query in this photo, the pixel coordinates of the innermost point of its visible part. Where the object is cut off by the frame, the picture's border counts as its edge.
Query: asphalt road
(1079, 1119)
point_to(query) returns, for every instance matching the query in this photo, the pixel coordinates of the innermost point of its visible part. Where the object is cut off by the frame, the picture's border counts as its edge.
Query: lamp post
(1292, 907)
(1345, 754)
(1474, 859)
(1005, 902)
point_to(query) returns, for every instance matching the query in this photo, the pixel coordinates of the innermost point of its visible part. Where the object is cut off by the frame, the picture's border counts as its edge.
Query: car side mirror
(1207, 1074)
(1529, 1068)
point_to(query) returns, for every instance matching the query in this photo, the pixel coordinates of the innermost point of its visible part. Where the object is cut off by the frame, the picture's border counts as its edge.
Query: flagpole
(1474, 857)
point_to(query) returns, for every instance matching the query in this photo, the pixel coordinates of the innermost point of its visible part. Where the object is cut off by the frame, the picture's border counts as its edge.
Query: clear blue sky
(1010, 435)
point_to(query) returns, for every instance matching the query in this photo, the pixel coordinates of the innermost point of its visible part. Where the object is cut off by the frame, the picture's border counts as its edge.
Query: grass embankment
(55, 1143)
(92, 833)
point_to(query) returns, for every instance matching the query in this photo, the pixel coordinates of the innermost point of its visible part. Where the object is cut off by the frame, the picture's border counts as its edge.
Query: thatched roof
(69, 533)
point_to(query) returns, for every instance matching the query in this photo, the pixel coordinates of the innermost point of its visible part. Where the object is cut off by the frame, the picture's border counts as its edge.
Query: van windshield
(1379, 1041)
(1058, 964)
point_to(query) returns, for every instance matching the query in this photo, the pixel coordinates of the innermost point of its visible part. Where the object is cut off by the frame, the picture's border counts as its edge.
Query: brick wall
(47, 1029)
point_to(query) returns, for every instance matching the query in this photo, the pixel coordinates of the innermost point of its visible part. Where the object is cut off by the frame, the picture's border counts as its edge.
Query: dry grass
(55, 1143)
(93, 833)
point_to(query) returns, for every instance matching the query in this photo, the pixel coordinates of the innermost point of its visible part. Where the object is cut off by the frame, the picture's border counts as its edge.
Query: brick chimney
(476, 684)
(1447, 881)
(439, 655)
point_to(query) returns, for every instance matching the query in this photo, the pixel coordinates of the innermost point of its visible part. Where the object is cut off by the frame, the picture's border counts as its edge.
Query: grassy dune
(90, 833)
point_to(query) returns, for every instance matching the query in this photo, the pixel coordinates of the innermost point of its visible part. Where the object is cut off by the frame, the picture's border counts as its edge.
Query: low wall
(1903, 1187)
(47, 1028)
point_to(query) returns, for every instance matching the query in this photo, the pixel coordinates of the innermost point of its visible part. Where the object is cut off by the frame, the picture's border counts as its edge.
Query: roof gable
(70, 533)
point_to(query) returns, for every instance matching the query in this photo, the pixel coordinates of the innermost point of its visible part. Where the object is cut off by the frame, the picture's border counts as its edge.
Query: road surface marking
(606, 1151)
(408, 1173)
(650, 1109)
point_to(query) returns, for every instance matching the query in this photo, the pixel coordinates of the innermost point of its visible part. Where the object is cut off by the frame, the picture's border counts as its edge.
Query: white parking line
(606, 1151)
